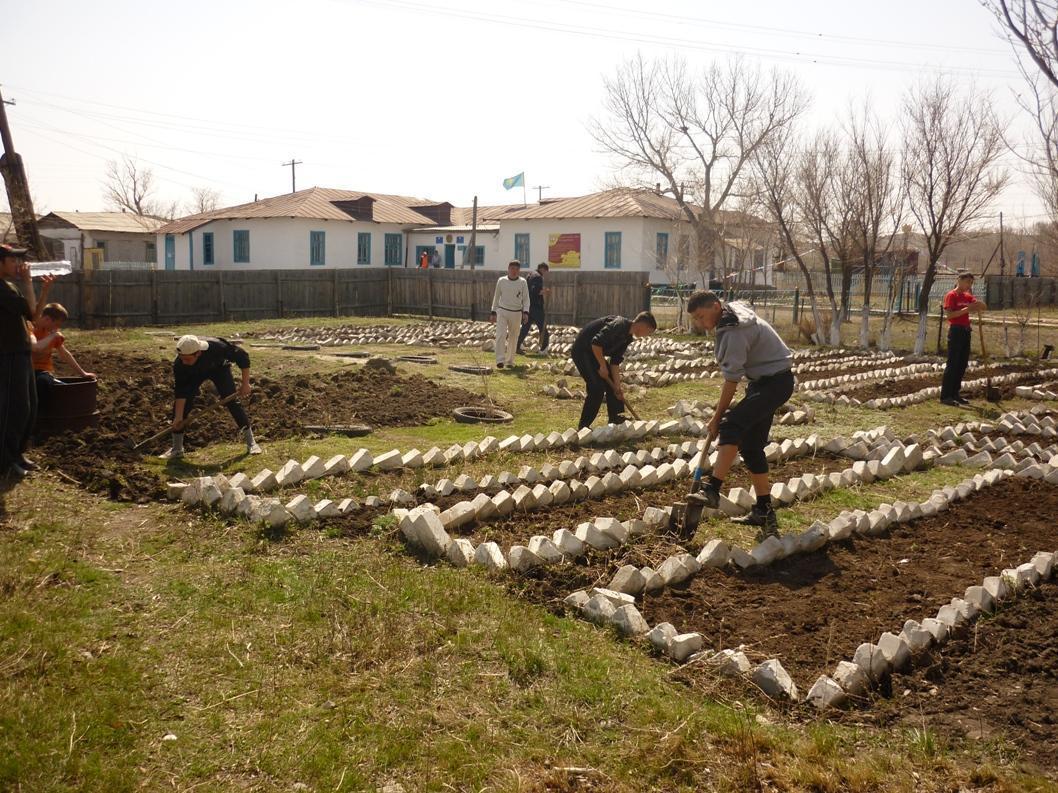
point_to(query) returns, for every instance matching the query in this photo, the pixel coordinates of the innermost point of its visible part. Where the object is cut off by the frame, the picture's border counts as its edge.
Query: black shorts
(748, 424)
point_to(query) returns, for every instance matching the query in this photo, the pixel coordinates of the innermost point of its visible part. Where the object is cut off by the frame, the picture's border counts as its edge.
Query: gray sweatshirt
(747, 345)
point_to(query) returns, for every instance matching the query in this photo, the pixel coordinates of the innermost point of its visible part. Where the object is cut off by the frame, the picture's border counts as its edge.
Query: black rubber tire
(475, 414)
(301, 347)
(417, 358)
(472, 369)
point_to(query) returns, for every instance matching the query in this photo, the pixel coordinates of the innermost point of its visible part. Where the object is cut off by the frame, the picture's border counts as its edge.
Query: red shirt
(955, 300)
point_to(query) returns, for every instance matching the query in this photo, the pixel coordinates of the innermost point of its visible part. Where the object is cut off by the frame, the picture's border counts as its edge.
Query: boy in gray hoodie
(746, 346)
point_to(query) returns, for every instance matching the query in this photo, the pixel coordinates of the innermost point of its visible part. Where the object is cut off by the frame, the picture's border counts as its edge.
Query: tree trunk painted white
(920, 336)
(865, 326)
(835, 326)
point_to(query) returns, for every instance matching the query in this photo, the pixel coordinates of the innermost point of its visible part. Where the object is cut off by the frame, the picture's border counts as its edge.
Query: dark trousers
(18, 406)
(748, 423)
(536, 317)
(958, 356)
(222, 379)
(596, 390)
(45, 388)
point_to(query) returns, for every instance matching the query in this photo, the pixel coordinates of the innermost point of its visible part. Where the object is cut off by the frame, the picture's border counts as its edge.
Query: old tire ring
(472, 369)
(481, 415)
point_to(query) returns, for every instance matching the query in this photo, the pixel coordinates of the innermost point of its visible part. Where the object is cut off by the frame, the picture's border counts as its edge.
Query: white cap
(189, 345)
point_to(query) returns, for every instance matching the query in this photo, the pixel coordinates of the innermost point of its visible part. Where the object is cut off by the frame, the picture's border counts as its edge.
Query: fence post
(576, 303)
(110, 296)
(220, 294)
(279, 293)
(334, 291)
(389, 292)
(796, 304)
(154, 297)
(940, 326)
(429, 292)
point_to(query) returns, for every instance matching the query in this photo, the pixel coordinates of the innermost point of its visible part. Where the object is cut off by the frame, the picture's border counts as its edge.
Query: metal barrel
(70, 407)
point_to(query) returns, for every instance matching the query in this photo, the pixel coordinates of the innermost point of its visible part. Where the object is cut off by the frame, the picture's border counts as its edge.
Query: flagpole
(524, 202)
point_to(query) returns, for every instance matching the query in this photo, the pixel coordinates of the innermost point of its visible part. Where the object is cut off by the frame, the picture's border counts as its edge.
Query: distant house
(116, 236)
(621, 229)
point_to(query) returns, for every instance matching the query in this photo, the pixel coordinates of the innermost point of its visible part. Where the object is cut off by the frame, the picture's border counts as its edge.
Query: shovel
(686, 515)
(624, 402)
(169, 428)
(992, 394)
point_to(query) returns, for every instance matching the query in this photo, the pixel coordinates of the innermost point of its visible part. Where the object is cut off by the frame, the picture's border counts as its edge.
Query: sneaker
(499, 365)
(950, 403)
(707, 495)
(765, 518)
(16, 471)
(27, 464)
(962, 401)
(171, 454)
(254, 448)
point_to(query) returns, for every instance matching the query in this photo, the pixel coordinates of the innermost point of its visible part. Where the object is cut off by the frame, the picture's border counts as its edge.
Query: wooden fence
(1008, 291)
(122, 298)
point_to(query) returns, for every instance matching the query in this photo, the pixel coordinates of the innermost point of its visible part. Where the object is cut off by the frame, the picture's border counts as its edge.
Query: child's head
(52, 316)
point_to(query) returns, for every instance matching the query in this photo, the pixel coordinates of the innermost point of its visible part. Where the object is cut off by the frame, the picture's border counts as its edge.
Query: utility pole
(540, 192)
(18, 197)
(293, 164)
(474, 235)
(1002, 248)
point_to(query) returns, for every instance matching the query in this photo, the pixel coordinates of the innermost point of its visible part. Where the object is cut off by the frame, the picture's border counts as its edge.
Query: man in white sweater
(510, 310)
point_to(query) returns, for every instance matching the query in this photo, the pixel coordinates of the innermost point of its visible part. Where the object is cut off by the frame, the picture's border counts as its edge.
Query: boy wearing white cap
(198, 360)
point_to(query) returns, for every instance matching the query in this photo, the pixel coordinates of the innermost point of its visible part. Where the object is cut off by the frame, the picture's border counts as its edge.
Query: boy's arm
(43, 343)
(69, 360)
(45, 287)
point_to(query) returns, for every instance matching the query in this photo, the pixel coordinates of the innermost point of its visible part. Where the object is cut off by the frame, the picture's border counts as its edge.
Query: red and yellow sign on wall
(563, 250)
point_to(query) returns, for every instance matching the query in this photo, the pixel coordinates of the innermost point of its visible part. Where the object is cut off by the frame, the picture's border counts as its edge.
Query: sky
(434, 99)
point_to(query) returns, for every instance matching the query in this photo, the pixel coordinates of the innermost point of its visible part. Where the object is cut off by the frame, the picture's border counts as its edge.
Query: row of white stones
(617, 608)
(916, 397)
(1042, 391)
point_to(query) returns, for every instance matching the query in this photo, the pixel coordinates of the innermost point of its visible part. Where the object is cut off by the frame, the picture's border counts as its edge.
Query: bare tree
(1031, 25)
(951, 172)
(878, 201)
(695, 132)
(130, 187)
(775, 171)
(203, 199)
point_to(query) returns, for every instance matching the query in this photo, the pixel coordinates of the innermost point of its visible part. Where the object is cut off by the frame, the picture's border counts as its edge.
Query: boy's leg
(962, 358)
(522, 334)
(947, 386)
(177, 449)
(226, 387)
(503, 335)
(593, 388)
(545, 337)
(514, 327)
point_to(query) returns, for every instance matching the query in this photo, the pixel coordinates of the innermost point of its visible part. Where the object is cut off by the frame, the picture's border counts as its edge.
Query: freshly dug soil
(518, 527)
(902, 386)
(812, 610)
(135, 400)
(998, 681)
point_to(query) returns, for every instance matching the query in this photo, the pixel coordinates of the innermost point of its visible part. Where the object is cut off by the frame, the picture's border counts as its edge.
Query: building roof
(315, 203)
(462, 216)
(104, 221)
(616, 203)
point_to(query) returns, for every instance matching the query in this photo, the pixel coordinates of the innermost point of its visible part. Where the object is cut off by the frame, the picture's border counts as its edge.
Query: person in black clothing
(598, 353)
(18, 391)
(197, 361)
(537, 292)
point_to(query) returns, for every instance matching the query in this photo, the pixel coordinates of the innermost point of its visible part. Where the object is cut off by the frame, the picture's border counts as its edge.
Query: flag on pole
(514, 181)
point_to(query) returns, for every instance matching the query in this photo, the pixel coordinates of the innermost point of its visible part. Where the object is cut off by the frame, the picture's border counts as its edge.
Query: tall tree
(130, 187)
(695, 132)
(951, 172)
(1032, 26)
(203, 199)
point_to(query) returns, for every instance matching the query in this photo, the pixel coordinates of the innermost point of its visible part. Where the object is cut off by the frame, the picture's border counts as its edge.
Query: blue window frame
(662, 248)
(240, 246)
(479, 255)
(613, 250)
(521, 248)
(207, 247)
(393, 247)
(317, 248)
(363, 247)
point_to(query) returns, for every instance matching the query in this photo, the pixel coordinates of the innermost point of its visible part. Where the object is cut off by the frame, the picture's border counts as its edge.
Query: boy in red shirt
(958, 305)
(48, 338)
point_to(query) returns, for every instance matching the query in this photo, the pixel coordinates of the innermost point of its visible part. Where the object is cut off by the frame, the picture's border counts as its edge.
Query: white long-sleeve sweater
(511, 295)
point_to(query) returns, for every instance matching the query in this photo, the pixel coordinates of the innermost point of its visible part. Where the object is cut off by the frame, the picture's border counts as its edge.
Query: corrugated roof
(462, 216)
(617, 203)
(316, 203)
(108, 221)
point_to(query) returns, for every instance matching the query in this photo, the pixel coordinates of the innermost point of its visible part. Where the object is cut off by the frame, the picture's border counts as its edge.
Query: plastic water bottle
(37, 269)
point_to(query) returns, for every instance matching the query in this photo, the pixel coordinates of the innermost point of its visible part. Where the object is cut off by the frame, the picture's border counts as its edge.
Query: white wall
(282, 243)
(592, 240)
(489, 240)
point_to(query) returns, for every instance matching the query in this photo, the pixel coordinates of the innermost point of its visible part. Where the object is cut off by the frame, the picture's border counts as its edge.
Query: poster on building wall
(563, 250)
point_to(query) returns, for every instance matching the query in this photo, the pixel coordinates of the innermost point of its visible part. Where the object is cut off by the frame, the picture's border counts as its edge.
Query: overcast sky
(427, 98)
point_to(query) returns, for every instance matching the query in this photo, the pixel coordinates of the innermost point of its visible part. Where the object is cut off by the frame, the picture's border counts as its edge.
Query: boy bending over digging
(748, 346)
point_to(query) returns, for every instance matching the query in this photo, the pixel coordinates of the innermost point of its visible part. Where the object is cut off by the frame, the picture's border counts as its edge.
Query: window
(479, 255)
(241, 246)
(317, 247)
(207, 247)
(393, 246)
(152, 252)
(613, 250)
(521, 248)
(102, 245)
(663, 248)
(363, 247)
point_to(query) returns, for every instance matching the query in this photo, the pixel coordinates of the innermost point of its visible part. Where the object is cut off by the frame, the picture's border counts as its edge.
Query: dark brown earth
(901, 386)
(813, 610)
(998, 682)
(135, 401)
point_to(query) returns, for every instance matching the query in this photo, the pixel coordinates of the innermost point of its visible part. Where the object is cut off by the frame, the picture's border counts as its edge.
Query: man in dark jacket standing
(538, 290)
(18, 391)
(598, 353)
(746, 346)
(197, 361)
